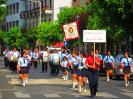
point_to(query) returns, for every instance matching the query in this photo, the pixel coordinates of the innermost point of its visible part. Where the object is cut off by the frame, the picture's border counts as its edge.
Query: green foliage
(14, 38)
(69, 14)
(2, 9)
(111, 15)
(49, 32)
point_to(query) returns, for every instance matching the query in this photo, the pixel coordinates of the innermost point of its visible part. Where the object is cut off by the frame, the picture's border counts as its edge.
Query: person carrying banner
(93, 63)
(109, 65)
(127, 62)
(22, 67)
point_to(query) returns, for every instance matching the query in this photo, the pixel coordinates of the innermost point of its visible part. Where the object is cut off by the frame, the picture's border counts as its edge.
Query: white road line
(21, 95)
(107, 95)
(76, 95)
(52, 95)
(11, 76)
(125, 90)
(127, 94)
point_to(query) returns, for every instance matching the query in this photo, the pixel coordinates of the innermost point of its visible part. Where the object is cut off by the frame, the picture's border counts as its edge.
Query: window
(14, 24)
(50, 4)
(10, 7)
(45, 2)
(17, 7)
(13, 8)
(17, 22)
(8, 10)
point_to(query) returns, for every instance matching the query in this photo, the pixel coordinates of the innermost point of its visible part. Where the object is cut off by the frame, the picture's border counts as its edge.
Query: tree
(113, 16)
(14, 38)
(49, 32)
(2, 9)
(68, 15)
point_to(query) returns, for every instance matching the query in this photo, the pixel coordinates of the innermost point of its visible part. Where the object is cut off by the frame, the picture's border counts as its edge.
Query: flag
(71, 31)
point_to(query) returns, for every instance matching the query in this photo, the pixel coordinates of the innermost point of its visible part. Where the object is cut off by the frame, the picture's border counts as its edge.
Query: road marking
(11, 76)
(76, 95)
(107, 95)
(52, 95)
(0, 96)
(21, 95)
(126, 90)
(127, 94)
(5, 70)
(41, 81)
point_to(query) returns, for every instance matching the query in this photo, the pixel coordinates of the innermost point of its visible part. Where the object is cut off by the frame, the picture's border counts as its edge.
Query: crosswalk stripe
(107, 95)
(125, 90)
(76, 95)
(21, 95)
(127, 94)
(52, 95)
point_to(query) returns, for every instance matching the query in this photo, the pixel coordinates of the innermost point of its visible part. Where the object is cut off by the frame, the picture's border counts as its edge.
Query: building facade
(27, 13)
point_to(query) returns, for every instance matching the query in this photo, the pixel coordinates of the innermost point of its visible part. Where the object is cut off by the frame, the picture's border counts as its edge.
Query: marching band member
(13, 58)
(5, 53)
(22, 67)
(109, 65)
(45, 60)
(74, 65)
(64, 65)
(127, 62)
(35, 58)
(82, 73)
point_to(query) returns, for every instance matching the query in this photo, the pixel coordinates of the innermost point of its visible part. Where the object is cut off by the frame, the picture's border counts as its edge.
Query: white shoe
(126, 84)
(108, 80)
(84, 88)
(87, 81)
(63, 77)
(24, 83)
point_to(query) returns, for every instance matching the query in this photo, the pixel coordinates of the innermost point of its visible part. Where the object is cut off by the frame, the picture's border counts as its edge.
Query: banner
(94, 36)
(71, 31)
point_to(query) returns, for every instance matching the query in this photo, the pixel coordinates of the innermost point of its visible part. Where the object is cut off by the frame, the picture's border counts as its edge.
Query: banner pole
(94, 52)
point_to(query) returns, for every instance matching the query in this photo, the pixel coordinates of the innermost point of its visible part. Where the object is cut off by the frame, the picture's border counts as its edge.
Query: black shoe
(95, 92)
(92, 96)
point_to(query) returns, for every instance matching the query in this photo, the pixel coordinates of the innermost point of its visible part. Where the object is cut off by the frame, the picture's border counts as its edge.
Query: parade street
(42, 86)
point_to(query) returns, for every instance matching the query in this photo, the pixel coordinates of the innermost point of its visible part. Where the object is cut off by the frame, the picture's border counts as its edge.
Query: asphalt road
(42, 86)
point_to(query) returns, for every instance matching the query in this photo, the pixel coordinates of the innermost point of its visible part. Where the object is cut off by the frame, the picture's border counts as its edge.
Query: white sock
(80, 89)
(24, 83)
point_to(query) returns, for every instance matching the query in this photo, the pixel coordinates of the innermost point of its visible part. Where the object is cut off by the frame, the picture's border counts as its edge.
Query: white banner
(94, 36)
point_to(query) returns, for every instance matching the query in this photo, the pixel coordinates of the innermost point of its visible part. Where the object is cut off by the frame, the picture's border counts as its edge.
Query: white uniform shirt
(23, 62)
(75, 60)
(64, 63)
(82, 63)
(35, 55)
(109, 59)
(127, 61)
